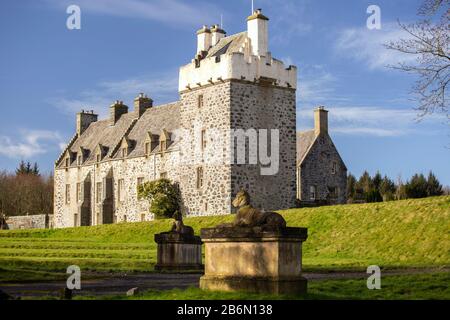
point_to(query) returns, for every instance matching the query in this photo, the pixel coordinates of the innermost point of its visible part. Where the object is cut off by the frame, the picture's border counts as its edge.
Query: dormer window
(67, 162)
(124, 152)
(98, 158)
(147, 149)
(80, 160)
(164, 141)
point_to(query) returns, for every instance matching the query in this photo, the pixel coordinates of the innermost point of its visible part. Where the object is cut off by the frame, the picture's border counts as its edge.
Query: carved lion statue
(248, 216)
(179, 227)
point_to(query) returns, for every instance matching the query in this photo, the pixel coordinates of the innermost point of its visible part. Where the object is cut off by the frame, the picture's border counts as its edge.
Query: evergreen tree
(387, 189)
(365, 182)
(417, 187)
(376, 181)
(434, 188)
(351, 186)
(27, 168)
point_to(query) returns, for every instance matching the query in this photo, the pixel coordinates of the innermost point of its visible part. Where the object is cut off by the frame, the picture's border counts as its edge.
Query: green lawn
(410, 233)
(406, 287)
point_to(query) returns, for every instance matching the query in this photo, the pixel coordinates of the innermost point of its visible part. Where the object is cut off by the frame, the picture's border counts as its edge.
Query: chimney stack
(258, 32)
(116, 111)
(320, 121)
(141, 104)
(217, 34)
(204, 39)
(84, 120)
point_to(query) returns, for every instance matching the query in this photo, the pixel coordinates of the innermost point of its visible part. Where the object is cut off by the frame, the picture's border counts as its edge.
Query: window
(140, 182)
(121, 190)
(75, 220)
(199, 178)
(67, 193)
(124, 152)
(203, 142)
(80, 160)
(98, 193)
(200, 101)
(98, 158)
(125, 218)
(333, 192)
(78, 192)
(67, 162)
(147, 148)
(142, 217)
(334, 167)
(312, 193)
(206, 207)
(163, 175)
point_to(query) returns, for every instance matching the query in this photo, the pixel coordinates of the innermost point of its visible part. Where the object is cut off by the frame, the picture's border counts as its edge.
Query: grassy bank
(394, 234)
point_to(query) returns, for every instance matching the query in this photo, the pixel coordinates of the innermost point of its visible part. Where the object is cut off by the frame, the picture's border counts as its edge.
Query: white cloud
(373, 121)
(368, 46)
(162, 88)
(30, 143)
(173, 12)
(288, 21)
(316, 85)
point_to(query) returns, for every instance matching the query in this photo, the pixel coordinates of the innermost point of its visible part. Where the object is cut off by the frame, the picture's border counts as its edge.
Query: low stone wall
(42, 221)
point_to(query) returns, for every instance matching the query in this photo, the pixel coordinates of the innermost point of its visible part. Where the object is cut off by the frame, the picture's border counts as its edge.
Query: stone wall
(42, 221)
(212, 117)
(130, 170)
(316, 170)
(266, 107)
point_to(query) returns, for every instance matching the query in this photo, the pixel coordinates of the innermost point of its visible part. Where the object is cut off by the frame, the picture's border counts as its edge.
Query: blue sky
(48, 73)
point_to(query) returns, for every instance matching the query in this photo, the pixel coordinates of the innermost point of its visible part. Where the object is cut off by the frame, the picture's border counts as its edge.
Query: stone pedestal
(251, 260)
(178, 252)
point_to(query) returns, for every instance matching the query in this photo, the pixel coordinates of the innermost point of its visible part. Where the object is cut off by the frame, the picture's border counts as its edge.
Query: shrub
(163, 196)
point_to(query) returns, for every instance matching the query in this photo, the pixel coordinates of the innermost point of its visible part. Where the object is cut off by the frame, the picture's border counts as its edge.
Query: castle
(233, 96)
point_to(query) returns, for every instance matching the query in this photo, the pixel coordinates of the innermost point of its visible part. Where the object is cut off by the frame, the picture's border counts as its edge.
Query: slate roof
(305, 140)
(228, 45)
(110, 136)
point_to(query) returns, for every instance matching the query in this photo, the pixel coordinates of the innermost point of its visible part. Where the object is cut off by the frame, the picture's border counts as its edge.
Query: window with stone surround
(140, 182)
(124, 152)
(98, 192)
(200, 178)
(333, 192)
(334, 167)
(67, 193)
(121, 190)
(312, 193)
(203, 139)
(78, 192)
(200, 101)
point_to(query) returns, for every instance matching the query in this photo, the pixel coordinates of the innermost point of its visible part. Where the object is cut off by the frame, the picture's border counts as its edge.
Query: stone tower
(238, 122)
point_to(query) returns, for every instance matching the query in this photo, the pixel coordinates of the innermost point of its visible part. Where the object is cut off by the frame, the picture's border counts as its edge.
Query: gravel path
(119, 284)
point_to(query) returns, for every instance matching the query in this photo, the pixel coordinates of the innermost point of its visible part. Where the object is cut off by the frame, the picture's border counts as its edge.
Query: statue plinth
(178, 252)
(254, 259)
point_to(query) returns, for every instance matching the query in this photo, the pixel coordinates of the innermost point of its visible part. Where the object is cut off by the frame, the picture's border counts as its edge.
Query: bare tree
(429, 42)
